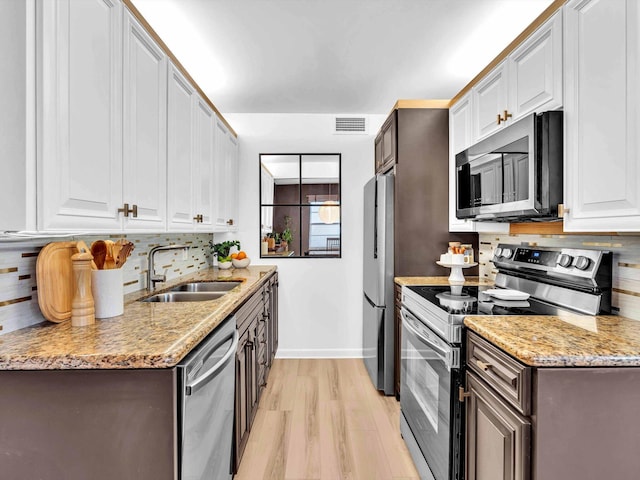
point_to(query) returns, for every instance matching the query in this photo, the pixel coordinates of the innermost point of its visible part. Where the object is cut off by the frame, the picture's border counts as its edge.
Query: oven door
(430, 374)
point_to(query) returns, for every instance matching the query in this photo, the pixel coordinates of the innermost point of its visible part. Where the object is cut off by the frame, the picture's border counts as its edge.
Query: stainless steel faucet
(152, 278)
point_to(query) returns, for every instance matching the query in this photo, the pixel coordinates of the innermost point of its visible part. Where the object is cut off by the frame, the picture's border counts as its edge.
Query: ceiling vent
(351, 125)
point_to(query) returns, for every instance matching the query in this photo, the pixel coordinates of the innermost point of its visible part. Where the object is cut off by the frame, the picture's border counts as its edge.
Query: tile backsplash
(19, 293)
(626, 261)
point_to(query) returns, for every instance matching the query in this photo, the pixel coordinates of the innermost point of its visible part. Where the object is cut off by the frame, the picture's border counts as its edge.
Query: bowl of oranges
(240, 260)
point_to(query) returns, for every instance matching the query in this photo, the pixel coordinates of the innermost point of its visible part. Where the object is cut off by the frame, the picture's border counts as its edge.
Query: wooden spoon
(99, 252)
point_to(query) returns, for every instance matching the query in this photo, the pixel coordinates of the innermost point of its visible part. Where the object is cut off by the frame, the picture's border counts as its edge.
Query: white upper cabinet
(490, 101)
(17, 121)
(180, 154)
(80, 115)
(203, 179)
(535, 71)
(602, 170)
(227, 177)
(460, 123)
(528, 80)
(145, 129)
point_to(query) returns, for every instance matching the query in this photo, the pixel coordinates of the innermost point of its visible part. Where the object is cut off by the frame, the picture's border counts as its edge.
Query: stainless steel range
(530, 281)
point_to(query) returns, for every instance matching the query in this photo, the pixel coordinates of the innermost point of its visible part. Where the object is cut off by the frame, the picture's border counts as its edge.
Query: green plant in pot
(287, 234)
(221, 250)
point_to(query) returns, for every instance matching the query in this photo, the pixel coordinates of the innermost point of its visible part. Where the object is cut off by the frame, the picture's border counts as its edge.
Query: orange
(235, 255)
(241, 255)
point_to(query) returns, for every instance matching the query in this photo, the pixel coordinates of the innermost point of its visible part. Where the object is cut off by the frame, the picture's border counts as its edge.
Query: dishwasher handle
(202, 380)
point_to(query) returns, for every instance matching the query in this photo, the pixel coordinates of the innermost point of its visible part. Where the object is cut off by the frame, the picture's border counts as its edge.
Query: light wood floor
(322, 419)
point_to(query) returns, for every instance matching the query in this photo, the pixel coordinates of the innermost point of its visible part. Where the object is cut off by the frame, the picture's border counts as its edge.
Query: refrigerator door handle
(375, 222)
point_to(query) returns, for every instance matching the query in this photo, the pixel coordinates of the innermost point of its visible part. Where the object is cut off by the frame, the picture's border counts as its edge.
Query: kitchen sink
(184, 297)
(206, 287)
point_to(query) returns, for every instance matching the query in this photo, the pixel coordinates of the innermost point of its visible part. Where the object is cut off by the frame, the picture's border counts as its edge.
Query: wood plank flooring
(322, 419)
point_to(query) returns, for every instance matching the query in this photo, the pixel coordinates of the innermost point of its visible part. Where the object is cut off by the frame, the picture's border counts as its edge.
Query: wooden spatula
(109, 261)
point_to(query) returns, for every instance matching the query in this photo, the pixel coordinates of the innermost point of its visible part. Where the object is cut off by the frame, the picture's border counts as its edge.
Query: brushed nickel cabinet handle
(126, 210)
(462, 394)
(483, 366)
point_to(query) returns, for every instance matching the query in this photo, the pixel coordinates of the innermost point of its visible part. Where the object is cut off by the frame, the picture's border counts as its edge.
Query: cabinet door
(389, 139)
(226, 161)
(535, 71)
(80, 115)
(180, 140)
(253, 370)
(602, 172)
(489, 101)
(242, 427)
(378, 153)
(203, 178)
(498, 438)
(233, 184)
(273, 314)
(145, 129)
(460, 138)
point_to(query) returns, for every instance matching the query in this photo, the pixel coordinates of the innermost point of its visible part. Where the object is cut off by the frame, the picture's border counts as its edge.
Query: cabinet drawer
(507, 376)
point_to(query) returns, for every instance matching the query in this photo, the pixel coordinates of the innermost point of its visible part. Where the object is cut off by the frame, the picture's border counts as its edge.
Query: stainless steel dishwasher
(206, 382)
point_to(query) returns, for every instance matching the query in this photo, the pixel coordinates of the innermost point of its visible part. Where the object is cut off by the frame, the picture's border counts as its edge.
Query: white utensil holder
(108, 292)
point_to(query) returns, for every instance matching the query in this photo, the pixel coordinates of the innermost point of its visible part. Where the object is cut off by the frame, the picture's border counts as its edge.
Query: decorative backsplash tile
(18, 290)
(626, 261)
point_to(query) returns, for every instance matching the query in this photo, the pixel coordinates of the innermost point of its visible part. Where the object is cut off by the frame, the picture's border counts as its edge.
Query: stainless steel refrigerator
(378, 308)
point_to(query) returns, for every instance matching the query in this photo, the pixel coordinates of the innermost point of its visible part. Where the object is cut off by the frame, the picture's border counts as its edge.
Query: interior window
(300, 205)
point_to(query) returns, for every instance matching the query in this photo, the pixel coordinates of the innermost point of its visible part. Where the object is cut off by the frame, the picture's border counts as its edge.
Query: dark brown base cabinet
(257, 321)
(88, 424)
(527, 423)
(397, 332)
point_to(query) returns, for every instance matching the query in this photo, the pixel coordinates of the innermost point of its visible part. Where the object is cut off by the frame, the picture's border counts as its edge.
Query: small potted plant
(221, 251)
(286, 235)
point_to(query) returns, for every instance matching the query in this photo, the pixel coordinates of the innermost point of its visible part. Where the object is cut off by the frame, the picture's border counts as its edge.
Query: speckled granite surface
(567, 341)
(147, 335)
(438, 281)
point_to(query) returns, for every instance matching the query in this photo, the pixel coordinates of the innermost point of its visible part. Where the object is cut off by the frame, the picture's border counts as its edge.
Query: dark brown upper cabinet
(385, 153)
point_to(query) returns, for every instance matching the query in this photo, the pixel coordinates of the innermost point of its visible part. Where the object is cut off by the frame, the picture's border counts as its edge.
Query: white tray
(506, 294)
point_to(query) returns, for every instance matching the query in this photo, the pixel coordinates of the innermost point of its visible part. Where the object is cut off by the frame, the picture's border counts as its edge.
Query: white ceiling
(334, 56)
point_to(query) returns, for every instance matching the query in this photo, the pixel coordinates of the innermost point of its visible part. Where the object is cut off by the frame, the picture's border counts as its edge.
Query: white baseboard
(320, 353)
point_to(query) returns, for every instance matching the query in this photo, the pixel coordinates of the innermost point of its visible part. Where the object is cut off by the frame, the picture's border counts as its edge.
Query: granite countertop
(146, 335)
(563, 341)
(439, 281)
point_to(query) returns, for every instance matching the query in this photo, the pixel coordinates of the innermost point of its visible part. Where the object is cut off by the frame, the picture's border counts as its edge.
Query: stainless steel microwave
(515, 174)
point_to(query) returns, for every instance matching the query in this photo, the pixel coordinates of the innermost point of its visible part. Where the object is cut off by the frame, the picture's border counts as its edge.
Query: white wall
(320, 299)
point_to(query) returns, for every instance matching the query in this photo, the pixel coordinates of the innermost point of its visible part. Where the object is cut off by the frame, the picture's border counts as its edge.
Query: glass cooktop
(469, 300)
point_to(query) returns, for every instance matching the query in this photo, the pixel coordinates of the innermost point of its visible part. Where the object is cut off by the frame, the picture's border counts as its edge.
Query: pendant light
(329, 212)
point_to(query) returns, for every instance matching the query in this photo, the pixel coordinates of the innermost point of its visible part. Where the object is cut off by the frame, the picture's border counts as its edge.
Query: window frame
(300, 205)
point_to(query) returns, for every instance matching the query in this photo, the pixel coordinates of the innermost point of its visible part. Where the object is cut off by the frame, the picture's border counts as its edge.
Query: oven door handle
(408, 323)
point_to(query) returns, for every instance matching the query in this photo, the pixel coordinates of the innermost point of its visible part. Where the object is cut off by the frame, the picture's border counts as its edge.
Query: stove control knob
(582, 263)
(497, 252)
(507, 252)
(565, 260)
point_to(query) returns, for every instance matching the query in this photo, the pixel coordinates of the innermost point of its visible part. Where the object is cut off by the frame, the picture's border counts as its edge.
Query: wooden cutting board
(54, 276)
